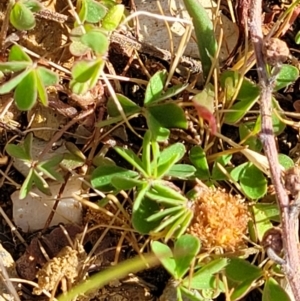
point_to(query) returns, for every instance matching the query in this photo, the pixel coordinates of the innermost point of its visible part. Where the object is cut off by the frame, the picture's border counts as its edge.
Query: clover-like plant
(89, 34)
(29, 83)
(85, 75)
(88, 37)
(252, 180)
(202, 284)
(159, 206)
(22, 14)
(242, 277)
(248, 93)
(156, 103)
(37, 170)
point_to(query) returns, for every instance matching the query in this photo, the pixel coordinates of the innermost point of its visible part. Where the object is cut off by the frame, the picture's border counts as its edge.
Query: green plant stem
(117, 272)
(288, 221)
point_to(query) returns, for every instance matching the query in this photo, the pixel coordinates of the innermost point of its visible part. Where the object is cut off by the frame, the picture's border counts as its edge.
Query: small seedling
(87, 38)
(30, 82)
(37, 170)
(85, 75)
(203, 283)
(22, 14)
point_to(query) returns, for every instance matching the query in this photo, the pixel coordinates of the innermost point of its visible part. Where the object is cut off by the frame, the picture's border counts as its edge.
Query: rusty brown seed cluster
(220, 220)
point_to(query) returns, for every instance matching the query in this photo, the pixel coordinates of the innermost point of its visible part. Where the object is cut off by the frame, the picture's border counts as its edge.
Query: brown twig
(4, 28)
(56, 203)
(288, 219)
(58, 134)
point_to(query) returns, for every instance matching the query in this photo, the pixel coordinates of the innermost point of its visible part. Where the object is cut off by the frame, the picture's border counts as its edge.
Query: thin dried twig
(126, 43)
(58, 134)
(4, 28)
(288, 216)
(7, 270)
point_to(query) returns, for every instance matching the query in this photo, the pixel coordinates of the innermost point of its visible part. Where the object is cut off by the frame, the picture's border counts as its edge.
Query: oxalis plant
(90, 36)
(22, 13)
(31, 81)
(38, 170)
(203, 284)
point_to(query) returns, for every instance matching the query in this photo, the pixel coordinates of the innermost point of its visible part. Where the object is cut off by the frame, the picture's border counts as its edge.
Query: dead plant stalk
(288, 218)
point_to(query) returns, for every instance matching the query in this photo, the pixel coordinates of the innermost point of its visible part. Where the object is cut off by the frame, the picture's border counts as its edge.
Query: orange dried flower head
(220, 219)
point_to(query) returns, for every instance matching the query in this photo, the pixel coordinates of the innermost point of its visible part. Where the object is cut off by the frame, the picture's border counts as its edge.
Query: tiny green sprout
(37, 170)
(178, 263)
(87, 40)
(22, 14)
(113, 17)
(87, 37)
(85, 75)
(29, 83)
(91, 11)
